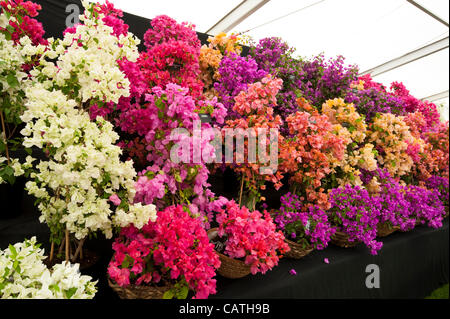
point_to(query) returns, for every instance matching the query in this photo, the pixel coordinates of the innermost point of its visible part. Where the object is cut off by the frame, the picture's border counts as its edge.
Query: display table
(411, 265)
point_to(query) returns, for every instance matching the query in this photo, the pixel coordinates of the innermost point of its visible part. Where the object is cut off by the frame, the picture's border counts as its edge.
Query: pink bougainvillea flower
(115, 199)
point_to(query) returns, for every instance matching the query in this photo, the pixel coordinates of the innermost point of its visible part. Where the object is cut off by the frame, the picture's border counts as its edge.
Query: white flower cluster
(88, 59)
(23, 275)
(84, 168)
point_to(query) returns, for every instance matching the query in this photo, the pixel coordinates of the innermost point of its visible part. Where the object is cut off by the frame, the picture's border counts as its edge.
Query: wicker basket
(341, 239)
(230, 267)
(139, 292)
(384, 229)
(297, 251)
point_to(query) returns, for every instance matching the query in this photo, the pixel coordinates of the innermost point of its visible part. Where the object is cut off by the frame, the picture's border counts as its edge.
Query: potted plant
(246, 242)
(165, 259)
(440, 184)
(395, 213)
(305, 229)
(425, 206)
(355, 214)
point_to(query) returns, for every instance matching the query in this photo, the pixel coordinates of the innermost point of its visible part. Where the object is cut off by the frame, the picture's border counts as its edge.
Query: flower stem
(67, 245)
(52, 250)
(79, 250)
(6, 141)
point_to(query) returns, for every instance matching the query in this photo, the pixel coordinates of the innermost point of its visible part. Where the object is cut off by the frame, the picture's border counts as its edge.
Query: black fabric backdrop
(412, 264)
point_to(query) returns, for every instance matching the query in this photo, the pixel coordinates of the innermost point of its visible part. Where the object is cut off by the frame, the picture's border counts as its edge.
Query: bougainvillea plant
(174, 175)
(425, 205)
(412, 104)
(235, 74)
(397, 148)
(82, 186)
(439, 184)
(395, 210)
(253, 104)
(308, 154)
(355, 213)
(251, 236)
(210, 57)
(370, 98)
(309, 228)
(352, 128)
(174, 251)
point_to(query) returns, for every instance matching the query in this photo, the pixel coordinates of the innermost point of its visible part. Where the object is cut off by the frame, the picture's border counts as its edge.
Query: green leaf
(183, 293)
(16, 266)
(70, 292)
(54, 287)
(168, 294)
(13, 251)
(127, 262)
(12, 80)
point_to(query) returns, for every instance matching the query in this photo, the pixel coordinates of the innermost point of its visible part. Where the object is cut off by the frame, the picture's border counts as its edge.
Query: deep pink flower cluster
(412, 104)
(173, 249)
(166, 29)
(172, 55)
(24, 11)
(251, 236)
